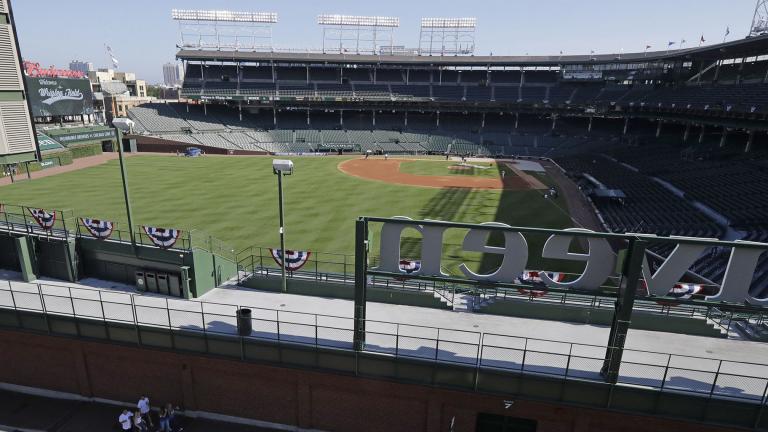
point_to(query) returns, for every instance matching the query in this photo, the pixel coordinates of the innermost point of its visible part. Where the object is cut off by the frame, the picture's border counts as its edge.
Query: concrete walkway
(652, 359)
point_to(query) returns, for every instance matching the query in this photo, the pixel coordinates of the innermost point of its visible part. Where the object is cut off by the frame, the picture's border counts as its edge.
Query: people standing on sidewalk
(125, 420)
(145, 410)
(165, 419)
(139, 425)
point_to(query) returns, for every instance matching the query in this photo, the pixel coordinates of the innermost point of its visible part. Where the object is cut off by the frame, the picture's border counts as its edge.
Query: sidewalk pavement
(27, 413)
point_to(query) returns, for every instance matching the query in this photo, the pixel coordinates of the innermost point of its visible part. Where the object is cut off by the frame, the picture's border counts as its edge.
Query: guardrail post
(763, 402)
(361, 264)
(631, 271)
(45, 311)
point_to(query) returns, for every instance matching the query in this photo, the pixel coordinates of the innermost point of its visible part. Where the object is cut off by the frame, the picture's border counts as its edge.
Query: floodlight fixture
(124, 124)
(760, 19)
(447, 36)
(466, 23)
(223, 16)
(356, 20)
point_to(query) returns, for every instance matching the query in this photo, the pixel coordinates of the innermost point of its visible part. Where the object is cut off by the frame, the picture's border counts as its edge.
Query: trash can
(174, 286)
(141, 285)
(244, 324)
(162, 283)
(151, 282)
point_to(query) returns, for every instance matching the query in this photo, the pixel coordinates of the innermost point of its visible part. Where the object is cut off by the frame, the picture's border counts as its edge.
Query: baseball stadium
(369, 237)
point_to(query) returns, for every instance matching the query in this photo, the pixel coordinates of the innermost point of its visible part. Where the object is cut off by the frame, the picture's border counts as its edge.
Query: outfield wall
(147, 144)
(341, 391)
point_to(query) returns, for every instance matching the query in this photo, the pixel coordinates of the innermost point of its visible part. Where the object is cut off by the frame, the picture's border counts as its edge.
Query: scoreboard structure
(17, 134)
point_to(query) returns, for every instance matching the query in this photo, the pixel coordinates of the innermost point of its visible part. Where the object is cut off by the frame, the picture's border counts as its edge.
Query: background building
(173, 74)
(135, 91)
(81, 66)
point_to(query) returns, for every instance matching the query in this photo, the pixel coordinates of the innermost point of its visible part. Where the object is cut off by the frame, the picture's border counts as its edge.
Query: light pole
(124, 125)
(282, 168)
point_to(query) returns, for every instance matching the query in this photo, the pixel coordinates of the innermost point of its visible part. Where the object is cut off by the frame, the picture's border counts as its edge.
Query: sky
(143, 37)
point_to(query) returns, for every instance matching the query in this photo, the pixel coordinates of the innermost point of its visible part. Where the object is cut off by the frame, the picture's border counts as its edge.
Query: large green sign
(60, 96)
(86, 136)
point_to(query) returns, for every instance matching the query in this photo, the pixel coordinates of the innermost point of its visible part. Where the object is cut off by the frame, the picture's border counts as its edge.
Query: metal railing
(707, 377)
(330, 267)
(19, 220)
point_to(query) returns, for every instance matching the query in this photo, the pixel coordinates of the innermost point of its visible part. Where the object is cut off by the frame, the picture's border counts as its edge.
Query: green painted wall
(26, 258)
(17, 158)
(9, 258)
(346, 291)
(119, 262)
(585, 315)
(210, 270)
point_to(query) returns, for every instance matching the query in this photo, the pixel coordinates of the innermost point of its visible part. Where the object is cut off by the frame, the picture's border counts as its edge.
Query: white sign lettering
(600, 260)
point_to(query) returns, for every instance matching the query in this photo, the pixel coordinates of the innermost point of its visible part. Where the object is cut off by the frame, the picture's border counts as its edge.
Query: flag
(702, 39)
(727, 31)
(683, 41)
(115, 62)
(647, 47)
(670, 43)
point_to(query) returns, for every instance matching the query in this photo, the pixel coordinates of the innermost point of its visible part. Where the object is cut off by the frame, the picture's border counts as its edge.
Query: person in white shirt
(144, 409)
(139, 425)
(125, 420)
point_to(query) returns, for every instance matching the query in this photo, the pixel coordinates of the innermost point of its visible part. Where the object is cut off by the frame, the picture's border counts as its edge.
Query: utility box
(151, 282)
(174, 285)
(141, 284)
(162, 283)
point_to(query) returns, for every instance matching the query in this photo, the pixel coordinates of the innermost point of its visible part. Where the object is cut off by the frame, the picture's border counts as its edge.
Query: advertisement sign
(86, 136)
(59, 96)
(583, 76)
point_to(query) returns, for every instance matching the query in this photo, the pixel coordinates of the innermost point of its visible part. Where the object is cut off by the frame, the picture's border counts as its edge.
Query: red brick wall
(295, 397)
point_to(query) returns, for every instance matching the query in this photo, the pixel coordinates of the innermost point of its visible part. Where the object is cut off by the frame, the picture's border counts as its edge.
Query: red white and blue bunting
(409, 266)
(162, 237)
(295, 260)
(99, 229)
(43, 218)
(533, 278)
(682, 291)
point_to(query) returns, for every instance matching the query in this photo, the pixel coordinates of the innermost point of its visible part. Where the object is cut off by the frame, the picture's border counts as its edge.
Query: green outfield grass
(235, 199)
(442, 167)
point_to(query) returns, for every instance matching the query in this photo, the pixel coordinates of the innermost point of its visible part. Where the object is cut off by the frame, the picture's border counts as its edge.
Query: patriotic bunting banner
(682, 291)
(162, 237)
(99, 229)
(534, 278)
(43, 218)
(409, 266)
(294, 259)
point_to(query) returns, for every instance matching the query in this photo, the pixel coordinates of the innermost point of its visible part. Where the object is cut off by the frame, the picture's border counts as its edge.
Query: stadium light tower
(357, 34)
(125, 125)
(447, 36)
(225, 30)
(760, 19)
(282, 168)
